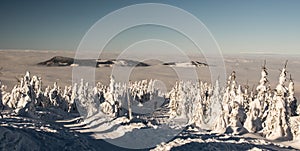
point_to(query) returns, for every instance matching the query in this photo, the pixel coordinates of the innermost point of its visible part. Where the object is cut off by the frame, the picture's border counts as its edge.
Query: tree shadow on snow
(222, 146)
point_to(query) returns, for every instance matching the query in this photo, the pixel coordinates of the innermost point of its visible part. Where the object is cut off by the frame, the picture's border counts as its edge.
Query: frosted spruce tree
(24, 97)
(5, 97)
(173, 103)
(235, 114)
(54, 95)
(292, 101)
(260, 104)
(84, 101)
(231, 117)
(223, 118)
(228, 97)
(277, 122)
(215, 108)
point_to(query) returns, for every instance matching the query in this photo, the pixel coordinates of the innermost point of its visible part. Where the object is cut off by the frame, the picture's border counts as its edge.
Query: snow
(192, 116)
(208, 141)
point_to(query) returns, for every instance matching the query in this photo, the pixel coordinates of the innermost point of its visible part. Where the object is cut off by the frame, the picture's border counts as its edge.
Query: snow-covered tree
(292, 101)
(277, 122)
(260, 104)
(215, 107)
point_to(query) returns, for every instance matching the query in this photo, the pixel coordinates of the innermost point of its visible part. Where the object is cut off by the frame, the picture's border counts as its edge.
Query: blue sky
(238, 26)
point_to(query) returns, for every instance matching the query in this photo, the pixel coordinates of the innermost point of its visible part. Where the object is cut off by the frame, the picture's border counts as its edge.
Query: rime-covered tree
(277, 122)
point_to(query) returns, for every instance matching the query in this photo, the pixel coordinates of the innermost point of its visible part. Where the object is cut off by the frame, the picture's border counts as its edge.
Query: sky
(269, 26)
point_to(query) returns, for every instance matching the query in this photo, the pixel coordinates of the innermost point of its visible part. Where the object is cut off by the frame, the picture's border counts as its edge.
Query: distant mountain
(58, 61)
(187, 64)
(67, 61)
